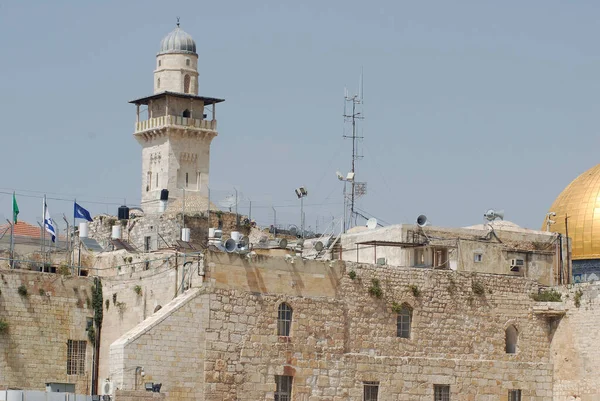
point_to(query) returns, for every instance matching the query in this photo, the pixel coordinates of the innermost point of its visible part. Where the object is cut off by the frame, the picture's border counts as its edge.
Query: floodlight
(350, 176)
(339, 176)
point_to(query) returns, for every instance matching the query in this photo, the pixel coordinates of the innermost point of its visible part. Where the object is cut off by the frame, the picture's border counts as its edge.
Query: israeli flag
(50, 225)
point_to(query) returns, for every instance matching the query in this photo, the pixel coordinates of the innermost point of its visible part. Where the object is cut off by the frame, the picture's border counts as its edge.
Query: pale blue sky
(469, 104)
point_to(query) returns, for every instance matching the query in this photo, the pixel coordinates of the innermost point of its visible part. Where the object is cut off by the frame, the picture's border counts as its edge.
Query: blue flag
(81, 213)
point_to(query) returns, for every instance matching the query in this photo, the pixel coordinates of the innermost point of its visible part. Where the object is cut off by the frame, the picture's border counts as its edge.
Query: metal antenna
(177, 22)
(358, 188)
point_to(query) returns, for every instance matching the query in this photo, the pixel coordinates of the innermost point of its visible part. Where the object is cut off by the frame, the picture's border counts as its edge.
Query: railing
(163, 121)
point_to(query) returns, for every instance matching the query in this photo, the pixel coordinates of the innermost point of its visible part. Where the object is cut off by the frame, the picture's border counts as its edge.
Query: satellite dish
(422, 220)
(318, 246)
(283, 243)
(372, 223)
(492, 215)
(230, 245)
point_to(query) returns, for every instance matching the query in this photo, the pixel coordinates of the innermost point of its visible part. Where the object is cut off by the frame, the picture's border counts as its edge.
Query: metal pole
(274, 222)
(302, 215)
(73, 236)
(183, 209)
(68, 238)
(250, 212)
(11, 242)
(345, 207)
(237, 223)
(42, 231)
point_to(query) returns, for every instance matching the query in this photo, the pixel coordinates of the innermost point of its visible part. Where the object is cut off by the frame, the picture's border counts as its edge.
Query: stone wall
(575, 350)
(342, 336)
(34, 350)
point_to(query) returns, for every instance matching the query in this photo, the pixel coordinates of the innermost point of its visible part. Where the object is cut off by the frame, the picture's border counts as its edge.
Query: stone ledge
(549, 308)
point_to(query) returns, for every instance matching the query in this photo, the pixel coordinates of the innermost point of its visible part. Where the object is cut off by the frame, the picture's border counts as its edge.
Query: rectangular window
(371, 390)
(403, 323)
(441, 392)
(478, 257)
(514, 395)
(148, 181)
(186, 179)
(147, 244)
(76, 357)
(283, 391)
(156, 180)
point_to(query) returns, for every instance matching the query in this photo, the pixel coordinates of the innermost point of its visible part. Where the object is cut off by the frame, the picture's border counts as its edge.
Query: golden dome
(580, 202)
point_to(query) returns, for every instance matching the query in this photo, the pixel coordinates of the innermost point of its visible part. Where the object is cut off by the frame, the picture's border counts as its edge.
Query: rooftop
(147, 99)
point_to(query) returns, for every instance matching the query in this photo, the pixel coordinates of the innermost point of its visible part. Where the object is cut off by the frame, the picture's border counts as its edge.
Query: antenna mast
(358, 188)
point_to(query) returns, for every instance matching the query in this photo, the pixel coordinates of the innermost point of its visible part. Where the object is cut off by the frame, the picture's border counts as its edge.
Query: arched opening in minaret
(186, 84)
(186, 114)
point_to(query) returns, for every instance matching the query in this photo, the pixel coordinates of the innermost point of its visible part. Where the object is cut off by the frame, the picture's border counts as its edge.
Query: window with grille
(186, 84)
(283, 392)
(76, 357)
(371, 390)
(441, 392)
(284, 320)
(514, 395)
(404, 321)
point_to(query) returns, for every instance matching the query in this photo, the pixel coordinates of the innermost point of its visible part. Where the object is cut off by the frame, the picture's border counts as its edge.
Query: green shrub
(577, 298)
(3, 326)
(138, 290)
(478, 288)
(42, 292)
(396, 308)
(415, 290)
(547, 296)
(375, 289)
(64, 269)
(352, 274)
(22, 290)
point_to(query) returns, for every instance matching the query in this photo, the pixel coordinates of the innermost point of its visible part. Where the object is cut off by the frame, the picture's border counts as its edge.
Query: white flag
(50, 225)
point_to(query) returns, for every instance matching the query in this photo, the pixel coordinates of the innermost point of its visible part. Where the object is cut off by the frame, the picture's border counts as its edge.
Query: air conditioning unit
(107, 388)
(516, 264)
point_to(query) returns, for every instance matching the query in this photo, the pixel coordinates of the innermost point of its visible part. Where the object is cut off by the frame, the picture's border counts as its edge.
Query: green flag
(15, 209)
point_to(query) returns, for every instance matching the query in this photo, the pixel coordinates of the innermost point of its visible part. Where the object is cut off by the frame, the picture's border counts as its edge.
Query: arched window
(186, 113)
(284, 320)
(158, 83)
(511, 339)
(404, 321)
(186, 84)
(187, 62)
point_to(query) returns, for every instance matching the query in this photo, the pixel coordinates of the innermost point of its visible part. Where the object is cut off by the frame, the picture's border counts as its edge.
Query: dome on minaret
(177, 41)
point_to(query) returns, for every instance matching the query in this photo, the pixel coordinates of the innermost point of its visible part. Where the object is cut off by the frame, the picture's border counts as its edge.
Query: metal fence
(31, 395)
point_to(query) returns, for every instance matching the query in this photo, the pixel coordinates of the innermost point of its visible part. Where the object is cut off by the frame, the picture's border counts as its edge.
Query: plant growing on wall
(577, 298)
(477, 288)
(352, 274)
(138, 290)
(22, 290)
(375, 289)
(3, 326)
(92, 335)
(547, 296)
(97, 303)
(396, 307)
(42, 292)
(415, 290)
(64, 270)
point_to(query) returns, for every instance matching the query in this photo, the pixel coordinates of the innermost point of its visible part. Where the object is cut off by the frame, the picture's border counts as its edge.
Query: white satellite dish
(318, 246)
(372, 223)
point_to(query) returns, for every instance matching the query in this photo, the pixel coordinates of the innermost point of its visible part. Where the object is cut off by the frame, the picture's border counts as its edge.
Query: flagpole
(12, 237)
(73, 237)
(43, 233)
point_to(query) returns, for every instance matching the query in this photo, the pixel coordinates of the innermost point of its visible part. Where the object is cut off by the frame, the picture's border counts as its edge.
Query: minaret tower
(175, 125)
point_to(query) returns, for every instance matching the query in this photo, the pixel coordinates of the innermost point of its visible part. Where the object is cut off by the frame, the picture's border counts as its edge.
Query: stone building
(178, 128)
(499, 247)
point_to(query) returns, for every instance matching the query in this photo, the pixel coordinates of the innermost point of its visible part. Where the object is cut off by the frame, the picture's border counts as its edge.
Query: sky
(468, 105)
